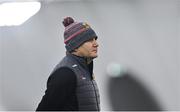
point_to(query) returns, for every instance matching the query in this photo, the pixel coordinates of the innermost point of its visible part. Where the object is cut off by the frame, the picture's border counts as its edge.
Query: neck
(75, 53)
(88, 59)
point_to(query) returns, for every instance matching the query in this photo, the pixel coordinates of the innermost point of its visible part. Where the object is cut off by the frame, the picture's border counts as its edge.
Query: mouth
(94, 51)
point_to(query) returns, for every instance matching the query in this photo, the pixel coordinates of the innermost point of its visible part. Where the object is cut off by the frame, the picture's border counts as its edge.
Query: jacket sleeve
(61, 84)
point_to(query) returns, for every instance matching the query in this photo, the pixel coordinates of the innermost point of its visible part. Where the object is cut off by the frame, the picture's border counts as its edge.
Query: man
(71, 86)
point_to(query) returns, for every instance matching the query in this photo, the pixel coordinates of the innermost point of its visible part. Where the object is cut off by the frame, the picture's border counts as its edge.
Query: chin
(95, 56)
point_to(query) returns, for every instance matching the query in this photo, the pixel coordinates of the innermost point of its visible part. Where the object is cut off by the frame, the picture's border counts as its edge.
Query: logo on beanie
(86, 25)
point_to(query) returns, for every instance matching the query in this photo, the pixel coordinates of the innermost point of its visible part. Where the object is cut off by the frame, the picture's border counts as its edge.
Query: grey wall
(141, 35)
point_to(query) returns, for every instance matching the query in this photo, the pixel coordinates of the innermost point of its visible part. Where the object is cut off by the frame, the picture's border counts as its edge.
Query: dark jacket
(71, 86)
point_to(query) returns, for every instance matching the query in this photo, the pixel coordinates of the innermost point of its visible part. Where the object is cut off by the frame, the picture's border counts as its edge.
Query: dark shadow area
(127, 94)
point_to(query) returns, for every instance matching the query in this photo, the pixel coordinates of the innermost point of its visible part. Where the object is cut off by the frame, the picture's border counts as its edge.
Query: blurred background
(138, 64)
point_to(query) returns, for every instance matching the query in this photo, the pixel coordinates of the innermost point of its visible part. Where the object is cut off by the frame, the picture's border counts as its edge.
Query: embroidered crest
(83, 78)
(86, 25)
(74, 65)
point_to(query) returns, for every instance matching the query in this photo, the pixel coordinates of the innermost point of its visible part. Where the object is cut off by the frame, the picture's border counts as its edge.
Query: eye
(96, 38)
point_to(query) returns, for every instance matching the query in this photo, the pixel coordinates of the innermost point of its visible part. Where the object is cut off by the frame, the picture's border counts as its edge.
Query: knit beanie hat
(76, 33)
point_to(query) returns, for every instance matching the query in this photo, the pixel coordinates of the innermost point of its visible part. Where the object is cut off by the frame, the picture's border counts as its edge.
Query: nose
(95, 43)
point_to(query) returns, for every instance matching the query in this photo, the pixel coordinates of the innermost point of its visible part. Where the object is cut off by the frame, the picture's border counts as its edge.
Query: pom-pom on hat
(76, 33)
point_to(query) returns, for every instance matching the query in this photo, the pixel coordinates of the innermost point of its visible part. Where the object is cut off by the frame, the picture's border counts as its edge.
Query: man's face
(88, 49)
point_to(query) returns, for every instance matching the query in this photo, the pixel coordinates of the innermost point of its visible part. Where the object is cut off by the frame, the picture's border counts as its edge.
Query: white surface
(16, 13)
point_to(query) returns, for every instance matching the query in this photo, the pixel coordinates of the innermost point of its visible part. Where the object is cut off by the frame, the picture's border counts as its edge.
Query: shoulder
(63, 75)
(65, 62)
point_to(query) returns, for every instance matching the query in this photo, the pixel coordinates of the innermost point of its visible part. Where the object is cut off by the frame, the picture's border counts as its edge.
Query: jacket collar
(83, 62)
